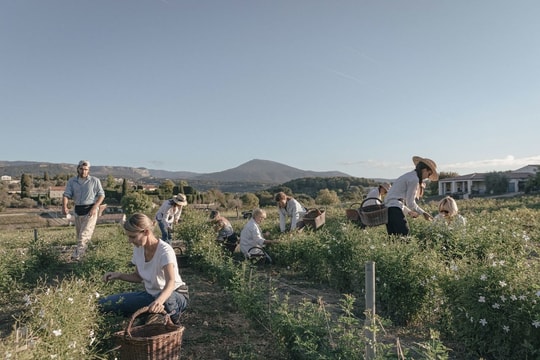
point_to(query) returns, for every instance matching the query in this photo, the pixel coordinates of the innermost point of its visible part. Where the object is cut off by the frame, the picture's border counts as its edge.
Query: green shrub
(494, 308)
(61, 321)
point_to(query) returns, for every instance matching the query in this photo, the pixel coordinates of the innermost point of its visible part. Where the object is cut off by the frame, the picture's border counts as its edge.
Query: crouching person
(251, 238)
(225, 232)
(155, 267)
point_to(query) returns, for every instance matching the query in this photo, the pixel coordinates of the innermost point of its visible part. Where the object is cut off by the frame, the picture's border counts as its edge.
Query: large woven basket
(373, 215)
(181, 259)
(352, 213)
(155, 341)
(314, 218)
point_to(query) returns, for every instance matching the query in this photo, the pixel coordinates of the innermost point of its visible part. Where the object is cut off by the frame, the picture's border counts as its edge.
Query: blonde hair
(138, 222)
(448, 204)
(258, 212)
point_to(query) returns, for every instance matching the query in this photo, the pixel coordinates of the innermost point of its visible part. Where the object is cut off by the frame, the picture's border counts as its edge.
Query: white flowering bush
(53, 304)
(494, 307)
(478, 287)
(60, 321)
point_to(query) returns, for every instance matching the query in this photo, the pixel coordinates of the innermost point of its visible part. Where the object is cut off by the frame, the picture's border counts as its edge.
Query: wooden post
(370, 311)
(35, 235)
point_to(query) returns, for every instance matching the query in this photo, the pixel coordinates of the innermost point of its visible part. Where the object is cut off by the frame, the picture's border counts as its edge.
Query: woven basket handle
(372, 198)
(127, 331)
(178, 250)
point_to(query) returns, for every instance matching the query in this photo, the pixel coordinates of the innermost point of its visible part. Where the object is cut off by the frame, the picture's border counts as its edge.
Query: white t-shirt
(152, 271)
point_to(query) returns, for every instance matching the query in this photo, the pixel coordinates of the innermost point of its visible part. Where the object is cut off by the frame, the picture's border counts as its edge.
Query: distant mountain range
(254, 171)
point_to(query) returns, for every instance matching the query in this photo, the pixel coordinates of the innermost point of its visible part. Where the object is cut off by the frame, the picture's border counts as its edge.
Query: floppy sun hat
(180, 199)
(386, 186)
(430, 163)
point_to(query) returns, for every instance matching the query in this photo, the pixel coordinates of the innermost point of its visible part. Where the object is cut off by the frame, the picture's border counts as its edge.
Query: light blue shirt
(84, 191)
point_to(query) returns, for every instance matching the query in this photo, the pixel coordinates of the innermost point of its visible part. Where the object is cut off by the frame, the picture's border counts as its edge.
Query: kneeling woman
(156, 267)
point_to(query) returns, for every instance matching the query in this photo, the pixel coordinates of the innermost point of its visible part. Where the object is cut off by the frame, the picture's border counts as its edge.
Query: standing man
(87, 194)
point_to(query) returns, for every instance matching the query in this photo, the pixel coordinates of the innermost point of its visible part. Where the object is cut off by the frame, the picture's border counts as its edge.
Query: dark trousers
(397, 222)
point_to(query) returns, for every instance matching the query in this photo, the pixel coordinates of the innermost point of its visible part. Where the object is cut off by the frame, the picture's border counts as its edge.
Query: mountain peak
(265, 171)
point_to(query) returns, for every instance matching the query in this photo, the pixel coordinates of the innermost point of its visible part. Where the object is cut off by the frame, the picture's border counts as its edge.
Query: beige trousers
(84, 227)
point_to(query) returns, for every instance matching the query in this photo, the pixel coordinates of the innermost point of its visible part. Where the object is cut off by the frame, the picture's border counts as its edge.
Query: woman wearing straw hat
(401, 198)
(375, 197)
(169, 214)
(377, 193)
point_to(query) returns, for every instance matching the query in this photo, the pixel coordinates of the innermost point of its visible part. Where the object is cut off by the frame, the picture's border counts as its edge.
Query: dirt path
(214, 328)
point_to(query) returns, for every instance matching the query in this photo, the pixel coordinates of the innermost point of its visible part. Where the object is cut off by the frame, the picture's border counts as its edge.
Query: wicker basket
(181, 259)
(156, 341)
(373, 215)
(353, 214)
(314, 218)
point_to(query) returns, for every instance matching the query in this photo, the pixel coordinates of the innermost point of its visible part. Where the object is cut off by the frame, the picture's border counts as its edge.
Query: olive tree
(136, 202)
(327, 197)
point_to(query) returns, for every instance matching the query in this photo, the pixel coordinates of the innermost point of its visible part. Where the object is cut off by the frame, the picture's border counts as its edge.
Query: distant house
(475, 184)
(149, 187)
(210, 206)
(5, 178)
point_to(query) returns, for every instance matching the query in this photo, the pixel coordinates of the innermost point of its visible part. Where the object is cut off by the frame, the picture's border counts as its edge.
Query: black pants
(397, 222)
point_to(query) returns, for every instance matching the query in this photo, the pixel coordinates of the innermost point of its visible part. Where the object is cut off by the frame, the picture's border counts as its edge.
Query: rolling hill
(254, 171)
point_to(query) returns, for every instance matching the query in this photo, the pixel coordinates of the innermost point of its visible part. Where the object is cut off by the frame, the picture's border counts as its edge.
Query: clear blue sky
(349, 85)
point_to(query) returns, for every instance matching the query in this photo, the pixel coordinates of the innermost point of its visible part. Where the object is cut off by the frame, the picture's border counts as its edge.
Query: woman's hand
(427, 216)
(110, 276)
(156, 307)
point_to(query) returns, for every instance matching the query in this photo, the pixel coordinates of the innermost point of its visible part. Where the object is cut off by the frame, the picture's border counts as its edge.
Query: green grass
(477, 292)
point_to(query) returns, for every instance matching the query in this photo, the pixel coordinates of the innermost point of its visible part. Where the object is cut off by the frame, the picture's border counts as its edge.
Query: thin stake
(370, 310)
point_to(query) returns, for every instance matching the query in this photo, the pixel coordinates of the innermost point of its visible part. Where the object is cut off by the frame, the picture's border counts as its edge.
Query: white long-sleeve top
(403, 192)
(169, 213)
(373, 193)
(294, 210)
(250, 237)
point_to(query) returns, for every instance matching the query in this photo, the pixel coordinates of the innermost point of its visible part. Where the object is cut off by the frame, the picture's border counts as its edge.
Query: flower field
(464, 295)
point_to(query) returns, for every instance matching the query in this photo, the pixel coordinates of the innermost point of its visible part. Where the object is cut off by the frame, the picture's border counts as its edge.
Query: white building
(474, 184)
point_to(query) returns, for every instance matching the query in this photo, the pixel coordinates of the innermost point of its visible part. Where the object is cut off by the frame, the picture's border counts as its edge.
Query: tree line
(135, 196)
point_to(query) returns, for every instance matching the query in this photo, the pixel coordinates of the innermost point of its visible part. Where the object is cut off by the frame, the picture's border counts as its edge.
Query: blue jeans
(127, 303)
(165, 233)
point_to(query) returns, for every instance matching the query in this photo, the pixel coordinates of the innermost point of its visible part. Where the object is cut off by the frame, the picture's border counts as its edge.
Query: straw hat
(386, 186)
(430, 163)
(180, 199)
